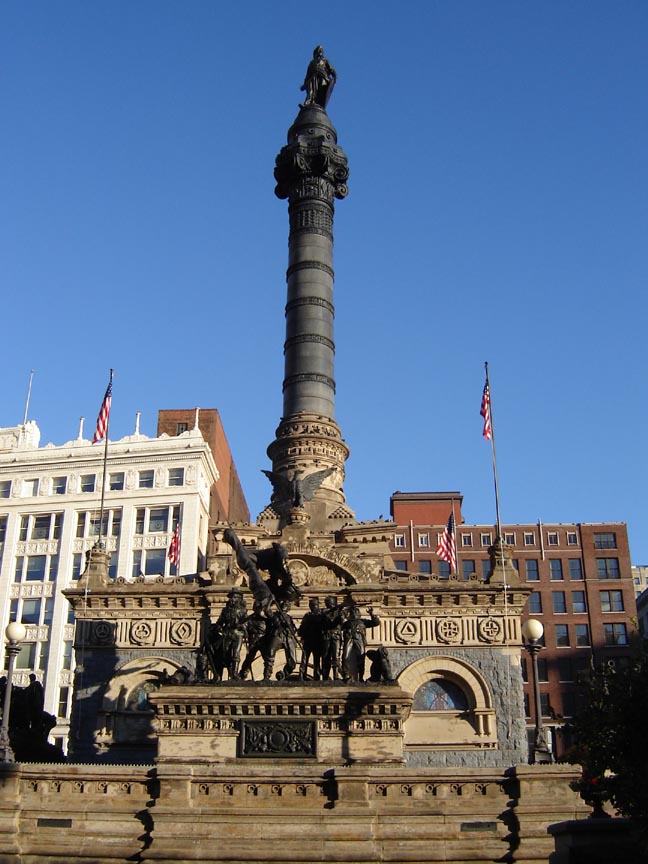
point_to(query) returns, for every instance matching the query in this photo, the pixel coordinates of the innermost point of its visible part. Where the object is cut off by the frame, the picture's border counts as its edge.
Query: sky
(497, 211)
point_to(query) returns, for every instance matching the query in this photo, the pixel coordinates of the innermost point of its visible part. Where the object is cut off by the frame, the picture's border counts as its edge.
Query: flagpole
(492, 440)
(103, 483)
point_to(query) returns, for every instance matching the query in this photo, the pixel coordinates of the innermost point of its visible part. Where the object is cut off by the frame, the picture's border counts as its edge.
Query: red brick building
(227, 501)
(581, 576)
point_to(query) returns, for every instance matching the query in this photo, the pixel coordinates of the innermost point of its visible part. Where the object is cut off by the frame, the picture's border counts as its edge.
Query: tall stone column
(311, 172)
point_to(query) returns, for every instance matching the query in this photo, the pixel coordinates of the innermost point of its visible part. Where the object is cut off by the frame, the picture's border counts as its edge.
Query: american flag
(104, 413)
(447, 548)
(485, 412)
(174, 547)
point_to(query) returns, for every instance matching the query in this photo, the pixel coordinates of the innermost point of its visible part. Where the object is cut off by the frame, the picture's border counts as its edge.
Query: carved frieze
(291, 738)
(32, 589)
(37, 547)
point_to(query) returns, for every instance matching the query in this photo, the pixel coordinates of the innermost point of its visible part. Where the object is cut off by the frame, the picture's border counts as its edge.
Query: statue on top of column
(319, 81)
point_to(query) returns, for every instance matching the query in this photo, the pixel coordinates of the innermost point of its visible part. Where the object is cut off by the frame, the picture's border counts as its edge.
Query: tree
(612, 738)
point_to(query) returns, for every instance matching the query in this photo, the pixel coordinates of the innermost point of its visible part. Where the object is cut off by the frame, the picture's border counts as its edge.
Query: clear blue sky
(498, 210)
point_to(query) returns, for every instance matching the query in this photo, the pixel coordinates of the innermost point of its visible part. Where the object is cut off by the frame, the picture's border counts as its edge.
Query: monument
(301, 699)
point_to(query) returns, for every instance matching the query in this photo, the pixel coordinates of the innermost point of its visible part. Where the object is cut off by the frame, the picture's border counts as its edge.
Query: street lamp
(15, 634)
(532, 631)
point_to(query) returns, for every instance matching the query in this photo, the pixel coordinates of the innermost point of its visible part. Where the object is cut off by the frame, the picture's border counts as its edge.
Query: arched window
(440, 694)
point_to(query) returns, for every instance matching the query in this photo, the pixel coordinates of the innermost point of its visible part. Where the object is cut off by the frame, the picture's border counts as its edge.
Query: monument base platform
(321, 722)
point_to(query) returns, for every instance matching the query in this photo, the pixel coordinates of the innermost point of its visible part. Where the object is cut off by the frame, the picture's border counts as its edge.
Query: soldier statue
(311, 632)
(354, 647)
(280, 633)
(226, 636)
(332, 618)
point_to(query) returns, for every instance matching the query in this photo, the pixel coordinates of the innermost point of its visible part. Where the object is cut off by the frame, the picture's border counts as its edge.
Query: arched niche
(452, 706)
(125, 717)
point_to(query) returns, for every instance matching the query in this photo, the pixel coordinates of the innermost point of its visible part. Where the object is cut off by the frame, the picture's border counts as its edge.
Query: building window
(509, 539)
(149, 562)
(444, 570)
(572, 538)
(26, 658)
(535, 603)
(575, 570)
(77, 565)
(176, 476)
(59, 485)
(36, 568)
(88, 523)
(562, 636)
(30, 613)
(425, 567)
(529, 538)
(158, 520)
(565, 669)
(615, 634)
(399, 541)
(66, 660)
(552, 538)
(47, 526)
(181, 427)
(466, 541)
(145, 479)
(568, 704)
(88, 482)
(555, 567)
(64, 703)
(116, 481)
(401, 565)
(527, 706)
(582, 635)
(468, 568)
(485, 539)
(543, 670)
(485, 567)
(612, 601)
(424, 540)
(579, 604)
(545, 705)
(3, 528)
(605, 541)
(5, 488)
(532, 570)
(607, 568)
(30, 488)
(558, 602)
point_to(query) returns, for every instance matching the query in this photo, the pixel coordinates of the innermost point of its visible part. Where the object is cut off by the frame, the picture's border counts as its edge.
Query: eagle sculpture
(289, 494)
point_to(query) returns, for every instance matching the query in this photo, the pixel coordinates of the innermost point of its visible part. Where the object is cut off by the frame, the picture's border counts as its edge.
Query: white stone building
(49, 518)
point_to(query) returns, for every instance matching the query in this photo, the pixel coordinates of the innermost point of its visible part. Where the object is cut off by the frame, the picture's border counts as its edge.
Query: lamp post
(532, 631)
(15, 634)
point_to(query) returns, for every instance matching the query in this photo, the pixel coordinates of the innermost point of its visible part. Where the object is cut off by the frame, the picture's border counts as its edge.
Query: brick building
(227, 500)
(584, 592)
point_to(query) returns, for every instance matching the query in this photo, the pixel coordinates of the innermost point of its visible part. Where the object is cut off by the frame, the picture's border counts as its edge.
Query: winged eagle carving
(292, 493)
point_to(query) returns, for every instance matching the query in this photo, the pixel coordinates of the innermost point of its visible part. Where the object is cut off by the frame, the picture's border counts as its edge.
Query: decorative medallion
(141, 633)
(102, 633)
(490, 630)
(181, 632)
(448, 630)
(408, 630)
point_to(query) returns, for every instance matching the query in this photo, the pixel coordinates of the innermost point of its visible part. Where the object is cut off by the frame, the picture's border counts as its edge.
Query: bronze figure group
(332, 640)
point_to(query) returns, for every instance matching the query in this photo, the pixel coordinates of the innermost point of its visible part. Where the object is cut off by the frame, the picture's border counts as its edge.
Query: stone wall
(282, 813)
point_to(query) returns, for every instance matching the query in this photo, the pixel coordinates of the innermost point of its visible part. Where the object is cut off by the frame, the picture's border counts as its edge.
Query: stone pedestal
(330, 723)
